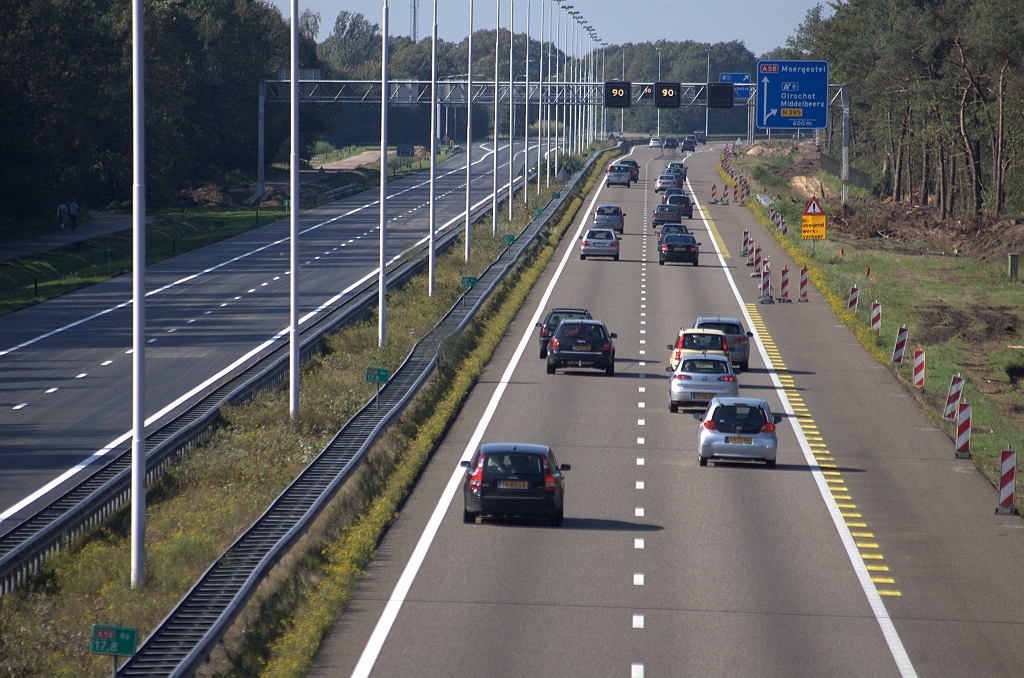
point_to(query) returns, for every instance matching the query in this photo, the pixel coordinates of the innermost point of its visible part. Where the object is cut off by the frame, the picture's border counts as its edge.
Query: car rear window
(666, 208)
(600, 235)
(555, 318)
(667, 177)
(699, 366)
(680, 239)
(703, 342)
(728, 328)
(512, 463)
(674, 228)
(580, 331)
(679, 200)
(609, 211)
(727, 417)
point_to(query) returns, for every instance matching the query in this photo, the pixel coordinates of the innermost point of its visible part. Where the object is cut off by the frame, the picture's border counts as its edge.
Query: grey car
(617, 176)
(600, 242)
(685, 206)
(513, 479)
(700, 378)
(739, 341)
(610, 216)
(551, 323)
(582, 343)
(737, 429)
(666, 181)
(679, 166)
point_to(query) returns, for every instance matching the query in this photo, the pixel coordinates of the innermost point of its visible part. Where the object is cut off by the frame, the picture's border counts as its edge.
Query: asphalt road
(868, 551)
(65, 395)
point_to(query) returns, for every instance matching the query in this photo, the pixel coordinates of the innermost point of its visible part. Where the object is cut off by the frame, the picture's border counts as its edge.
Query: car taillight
(725, 345)
(606, 346)
(615, 244)
(681, 377)
(741, 340)
(543, 330)
(476, 480)
(727, 377)
(554, 344)
(767, 427)
(586, 243)
(710, 425)
(664, 248)
(549, 480)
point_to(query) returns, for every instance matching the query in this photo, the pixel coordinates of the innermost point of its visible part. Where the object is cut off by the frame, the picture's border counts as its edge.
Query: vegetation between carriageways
(959, 309)
(205, 501)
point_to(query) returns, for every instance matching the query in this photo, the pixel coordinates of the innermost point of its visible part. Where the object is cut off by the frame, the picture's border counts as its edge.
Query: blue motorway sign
(792, 95)
(739, 91)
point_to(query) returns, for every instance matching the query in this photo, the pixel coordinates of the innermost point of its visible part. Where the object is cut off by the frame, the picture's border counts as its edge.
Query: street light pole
(382, 274)
(494, 174)
(659, 80)
(526, 114)
(540, 97)
(433, 148)
(622, 111)
(469, 129)
(138, 516)
(707, 109)
(293, 284)
(511, 102)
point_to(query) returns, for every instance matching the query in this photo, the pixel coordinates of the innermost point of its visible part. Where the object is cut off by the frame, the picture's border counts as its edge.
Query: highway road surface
(65, 395)
(868, 551)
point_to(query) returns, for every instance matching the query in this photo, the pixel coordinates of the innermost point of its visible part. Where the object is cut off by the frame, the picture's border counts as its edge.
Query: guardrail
(185, 638)
(342, 192)
(80, 509)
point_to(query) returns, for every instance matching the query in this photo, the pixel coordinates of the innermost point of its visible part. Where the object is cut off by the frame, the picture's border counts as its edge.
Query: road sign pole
(846, 142)
(138, 482)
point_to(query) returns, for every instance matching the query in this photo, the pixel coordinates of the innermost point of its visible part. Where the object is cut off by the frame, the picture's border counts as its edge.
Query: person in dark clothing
(73, 211)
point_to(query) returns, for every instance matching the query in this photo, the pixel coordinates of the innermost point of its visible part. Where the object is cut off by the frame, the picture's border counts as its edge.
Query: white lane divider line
(82, 375)
(52, 390)
(239, 297)
(892, 637)
(209, 312)
(641, 404)
(265, 284)
(105, 363)
(151, 341)
(638, 579)
(639, 461)
(638, 511)
(639, 441)
(638, 544)
(642, 389)
(639, 484)
(190, 321)
(387, 619)
(172, 330)
(130, 351)
(223, 305)
(640, 422)
(20, 406)
(277, 277)
(636, 670)
(638, 621)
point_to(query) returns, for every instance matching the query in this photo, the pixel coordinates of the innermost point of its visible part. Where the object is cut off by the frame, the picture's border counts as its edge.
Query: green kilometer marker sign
(509, 238)
(469, 281)
(118, 641)
(378, 375)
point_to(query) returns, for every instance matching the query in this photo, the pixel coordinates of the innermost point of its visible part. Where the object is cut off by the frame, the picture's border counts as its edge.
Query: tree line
(937, 93)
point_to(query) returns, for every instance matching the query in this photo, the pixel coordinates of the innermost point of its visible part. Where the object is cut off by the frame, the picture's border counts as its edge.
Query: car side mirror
(464, 463)
(750, 334)
(778, 418)
(698, 416)
(565, 467)
(537, 325)
(613, 335)
(669, 346)
(699, 244)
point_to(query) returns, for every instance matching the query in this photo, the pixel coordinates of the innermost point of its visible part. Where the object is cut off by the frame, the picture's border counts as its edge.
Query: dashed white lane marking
(636, 670)
(640, 422)
(639, 441)
(254, 289)
(642, 363)
(105, 363)
(638, 512)
(209, 312)
(82, 375)
(223, 305)
(151, 341)
(265, 284)
(18, 407)
(277, 277)
(642, 389)
(238, 297)
(641, 404)
(638, 544)
(639, 484)
(638, 579)
(639, 461)
(641, 306)
(130, 351)
(387, 619)
(52, 390)
(172, 330)
(638, 621)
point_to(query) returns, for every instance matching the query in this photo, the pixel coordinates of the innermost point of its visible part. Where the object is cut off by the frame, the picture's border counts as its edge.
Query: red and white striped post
(714, 192)
(876, 317)
(1007, 482)
(803, 285)
(746, 242)
(766, 283)
(963, 431)
(784, 285)
(918, 368)
(736, 191)
(751, 246)
(851, 303)
(725, 194)
(868, 274)
(757, 262)
(956, 387)
(901, 346)
(785, 227)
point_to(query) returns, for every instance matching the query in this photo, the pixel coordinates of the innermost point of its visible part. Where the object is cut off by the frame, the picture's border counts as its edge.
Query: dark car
(672, 228)
(688, 145)
(582, 343)
(684, 205)
(671, 142)
(550, 324)
(666, 214)
(513, 479)
(678, 247)
(700, 136)
(634, 168)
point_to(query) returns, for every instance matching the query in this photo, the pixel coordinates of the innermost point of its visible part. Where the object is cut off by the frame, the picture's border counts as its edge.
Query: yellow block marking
(831, 473)
(896, 594)
(847, 506)
(826, 465)
(866, 545)
(876, 568)
(872, 556)
(850, 515)
(714, 232)
(883, 580)
(849, 524)
(835, 480)
(867, 535)
(840, 496)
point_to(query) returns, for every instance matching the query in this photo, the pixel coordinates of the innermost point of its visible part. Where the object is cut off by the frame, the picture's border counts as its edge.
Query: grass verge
(960, 310)
(205, 501)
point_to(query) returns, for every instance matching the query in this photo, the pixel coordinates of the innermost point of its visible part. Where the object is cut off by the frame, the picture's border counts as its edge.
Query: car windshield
(608, 211)
(600, 235)
(679, 239)
(666, 208)
(703, 342)
(704, 366)
(727, 328)
(673, 228)
(739, 418)
(667, 177)
(555, 318)
(581, 331)
(679, 200)
(512, 463)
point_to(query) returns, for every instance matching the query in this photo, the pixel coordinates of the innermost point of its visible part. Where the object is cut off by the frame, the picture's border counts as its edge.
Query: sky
(761, 25)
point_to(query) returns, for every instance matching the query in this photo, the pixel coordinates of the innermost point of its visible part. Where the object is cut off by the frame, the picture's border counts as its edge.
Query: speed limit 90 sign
(617, 94)
(666, 94)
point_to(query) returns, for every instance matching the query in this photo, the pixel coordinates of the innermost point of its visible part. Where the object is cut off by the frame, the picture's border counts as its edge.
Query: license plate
(739, 440)
(581, 347)
(513, 485)
(708, 396)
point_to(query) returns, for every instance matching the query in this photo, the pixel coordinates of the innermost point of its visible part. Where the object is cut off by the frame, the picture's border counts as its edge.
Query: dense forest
(936, 88)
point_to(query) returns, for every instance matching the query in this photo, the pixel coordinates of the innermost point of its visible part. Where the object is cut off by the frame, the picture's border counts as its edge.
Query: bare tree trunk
(952, 187)
(940, 182)
(973, 160)
(997, 150)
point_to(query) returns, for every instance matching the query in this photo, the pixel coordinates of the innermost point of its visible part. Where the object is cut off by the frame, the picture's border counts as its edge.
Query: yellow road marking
(866, 545)
(831, 473)
(839, 496)
(850, 515)
(872, 556)
(849, 506)
(867, 535)
(889, 593)
(849, 524)
(714, 232)
(835, 480)
(876, 568)
(883, 580)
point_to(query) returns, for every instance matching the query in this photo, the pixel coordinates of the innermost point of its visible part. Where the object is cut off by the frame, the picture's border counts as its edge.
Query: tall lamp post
(494, 174)
(433, 147)
(707, 109)
(469, 129)
(511, 103)
(138, 509)
(659, 80)
(382, 274)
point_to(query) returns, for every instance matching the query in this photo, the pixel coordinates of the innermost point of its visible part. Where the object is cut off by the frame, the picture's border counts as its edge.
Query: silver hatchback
(737, 429)
(739, 341)
(600, 242)
(610, 216)
(700, 378)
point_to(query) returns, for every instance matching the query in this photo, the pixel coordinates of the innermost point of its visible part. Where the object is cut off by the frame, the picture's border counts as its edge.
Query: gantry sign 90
(666, 94)
(617, 94)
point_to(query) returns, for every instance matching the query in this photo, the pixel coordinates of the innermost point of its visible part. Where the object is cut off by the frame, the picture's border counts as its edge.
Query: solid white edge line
(387, 618)
(102, 452)
(892, 638)
(222, 264)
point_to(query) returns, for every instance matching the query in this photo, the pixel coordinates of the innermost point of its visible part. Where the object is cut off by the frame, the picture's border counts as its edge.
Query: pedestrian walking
(73, 211)
(62, 215)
